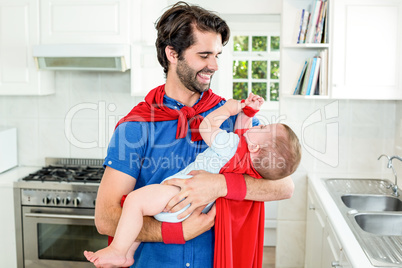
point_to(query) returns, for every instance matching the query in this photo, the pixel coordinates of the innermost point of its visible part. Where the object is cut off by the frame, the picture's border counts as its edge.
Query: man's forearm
(151, 230)
(268, 190)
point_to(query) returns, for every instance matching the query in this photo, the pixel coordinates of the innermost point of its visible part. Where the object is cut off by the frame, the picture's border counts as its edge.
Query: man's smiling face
(200, 61)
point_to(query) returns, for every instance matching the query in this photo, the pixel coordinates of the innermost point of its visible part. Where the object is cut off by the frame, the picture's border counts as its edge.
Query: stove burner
(66, 173)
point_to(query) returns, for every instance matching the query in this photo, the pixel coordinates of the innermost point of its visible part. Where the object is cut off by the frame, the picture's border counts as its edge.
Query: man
(155, 141)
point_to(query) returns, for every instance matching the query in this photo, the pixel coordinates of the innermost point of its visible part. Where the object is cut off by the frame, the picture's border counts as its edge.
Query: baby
(274, 151)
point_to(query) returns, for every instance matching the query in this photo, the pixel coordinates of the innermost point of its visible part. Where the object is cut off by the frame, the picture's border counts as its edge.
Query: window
(256, 65)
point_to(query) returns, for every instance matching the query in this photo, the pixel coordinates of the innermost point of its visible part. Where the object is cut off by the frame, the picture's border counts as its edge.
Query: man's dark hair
(175, 28)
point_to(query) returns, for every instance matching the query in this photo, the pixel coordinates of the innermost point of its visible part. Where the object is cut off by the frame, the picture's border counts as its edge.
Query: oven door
(57, 237)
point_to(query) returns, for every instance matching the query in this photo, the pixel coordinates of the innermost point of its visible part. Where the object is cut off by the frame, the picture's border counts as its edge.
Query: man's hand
(198, 223)
(201, 189)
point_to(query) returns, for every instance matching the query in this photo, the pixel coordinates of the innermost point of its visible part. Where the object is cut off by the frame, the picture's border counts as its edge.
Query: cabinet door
(314, 232)
(330, 248)
(90, 21)
(367, 49)
(19, 22)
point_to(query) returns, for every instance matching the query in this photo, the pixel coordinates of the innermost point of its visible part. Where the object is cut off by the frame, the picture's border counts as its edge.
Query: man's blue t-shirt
(150, 152)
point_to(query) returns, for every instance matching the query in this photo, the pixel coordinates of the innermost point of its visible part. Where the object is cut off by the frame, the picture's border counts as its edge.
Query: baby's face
(263, 135)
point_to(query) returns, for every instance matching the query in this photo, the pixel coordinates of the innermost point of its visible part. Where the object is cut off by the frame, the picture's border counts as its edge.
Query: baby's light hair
(281, 157)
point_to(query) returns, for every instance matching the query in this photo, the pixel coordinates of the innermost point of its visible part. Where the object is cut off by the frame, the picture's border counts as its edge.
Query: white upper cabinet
(89, 21)
(19, 31)
(367, 49)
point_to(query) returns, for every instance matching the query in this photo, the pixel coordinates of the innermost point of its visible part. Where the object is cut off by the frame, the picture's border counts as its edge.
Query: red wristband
(236, 186)
(172, 233)
(247, 110)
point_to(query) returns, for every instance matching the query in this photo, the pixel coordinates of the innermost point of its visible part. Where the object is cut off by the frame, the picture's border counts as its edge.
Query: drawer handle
(335, 264)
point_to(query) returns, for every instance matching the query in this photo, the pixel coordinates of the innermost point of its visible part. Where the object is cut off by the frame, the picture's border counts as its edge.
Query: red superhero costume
(239, 225)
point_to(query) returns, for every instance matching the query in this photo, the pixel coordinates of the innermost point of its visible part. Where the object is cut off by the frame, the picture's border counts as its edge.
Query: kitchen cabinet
(323, 249)
(367, 49)
(19, 22)
(364, 49)
(333, 255)
(314, 231)
(90, 21)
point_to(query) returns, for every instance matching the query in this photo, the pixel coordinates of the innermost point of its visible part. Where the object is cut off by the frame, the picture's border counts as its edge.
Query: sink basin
(380, 224)
(374, 216)
(372, 202)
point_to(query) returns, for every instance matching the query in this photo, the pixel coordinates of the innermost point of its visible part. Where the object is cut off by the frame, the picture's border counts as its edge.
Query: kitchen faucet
(394, 186)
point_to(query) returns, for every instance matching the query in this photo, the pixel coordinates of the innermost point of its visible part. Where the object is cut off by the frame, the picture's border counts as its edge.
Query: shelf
(311, 45)
(320, 97)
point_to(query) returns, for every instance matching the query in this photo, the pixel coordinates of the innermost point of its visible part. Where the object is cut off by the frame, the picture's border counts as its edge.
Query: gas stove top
(66, 173)
(63, 182)
(69, 170)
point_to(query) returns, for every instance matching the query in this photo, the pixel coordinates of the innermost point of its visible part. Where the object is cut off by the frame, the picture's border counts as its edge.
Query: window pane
(240, 69)
(240, 91)
(240, 43)
(275, 41)
(274, 91)
(259, 43)
(274, 69)
(259, 89)
(259, 69)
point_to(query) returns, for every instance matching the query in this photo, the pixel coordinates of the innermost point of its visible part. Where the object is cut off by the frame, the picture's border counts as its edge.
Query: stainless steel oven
(55, 219)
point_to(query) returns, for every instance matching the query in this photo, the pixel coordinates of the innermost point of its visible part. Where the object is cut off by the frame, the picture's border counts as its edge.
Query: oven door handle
(59, 216)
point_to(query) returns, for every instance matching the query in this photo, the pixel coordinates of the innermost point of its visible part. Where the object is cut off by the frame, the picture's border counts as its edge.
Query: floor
(269, 257)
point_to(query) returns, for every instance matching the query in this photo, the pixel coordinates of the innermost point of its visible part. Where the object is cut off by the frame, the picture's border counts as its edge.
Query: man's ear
(253, 148)
(171, 54)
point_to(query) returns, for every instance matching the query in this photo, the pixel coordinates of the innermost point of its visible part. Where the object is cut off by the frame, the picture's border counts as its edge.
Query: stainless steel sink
(373, 214)
(380, 224)
(372, 202)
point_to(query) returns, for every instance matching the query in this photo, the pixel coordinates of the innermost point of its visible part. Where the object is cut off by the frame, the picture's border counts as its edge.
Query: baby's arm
(244, 121)
(210, 125)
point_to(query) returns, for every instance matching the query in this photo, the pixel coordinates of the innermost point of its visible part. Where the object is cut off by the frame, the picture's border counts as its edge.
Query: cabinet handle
(311, 207)
(335, 264)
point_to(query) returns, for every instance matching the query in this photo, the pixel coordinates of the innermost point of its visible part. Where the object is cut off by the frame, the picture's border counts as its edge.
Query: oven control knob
(76, 201)
(66, 201)
(56, 200)
(46, 200)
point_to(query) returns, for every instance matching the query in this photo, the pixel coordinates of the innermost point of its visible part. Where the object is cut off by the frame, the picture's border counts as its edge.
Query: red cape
(153, 110)
(239, 225)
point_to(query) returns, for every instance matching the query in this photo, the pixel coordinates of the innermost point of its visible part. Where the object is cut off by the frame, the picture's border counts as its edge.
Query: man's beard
(188, 77)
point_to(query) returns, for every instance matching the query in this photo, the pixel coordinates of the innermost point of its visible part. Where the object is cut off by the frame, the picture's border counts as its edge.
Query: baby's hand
(254, 101)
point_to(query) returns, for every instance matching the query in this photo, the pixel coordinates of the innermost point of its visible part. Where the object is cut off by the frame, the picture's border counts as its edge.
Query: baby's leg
(146, 201)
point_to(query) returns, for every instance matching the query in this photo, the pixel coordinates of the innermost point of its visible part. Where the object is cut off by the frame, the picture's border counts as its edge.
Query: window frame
(251, 56)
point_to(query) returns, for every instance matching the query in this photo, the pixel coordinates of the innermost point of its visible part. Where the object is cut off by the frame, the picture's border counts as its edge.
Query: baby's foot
(109, 257)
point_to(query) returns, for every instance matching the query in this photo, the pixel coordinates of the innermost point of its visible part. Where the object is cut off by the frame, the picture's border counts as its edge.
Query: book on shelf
(323, 76)
(303, 88)
(313, 78)
(315, 69)
(301, 78)
(315, 13)
(299, 23)
(312, 26)
(304, 23)
(320, 24)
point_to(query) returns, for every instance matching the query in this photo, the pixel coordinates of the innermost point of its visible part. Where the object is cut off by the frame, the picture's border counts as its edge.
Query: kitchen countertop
(8, 177)
(355, 253)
